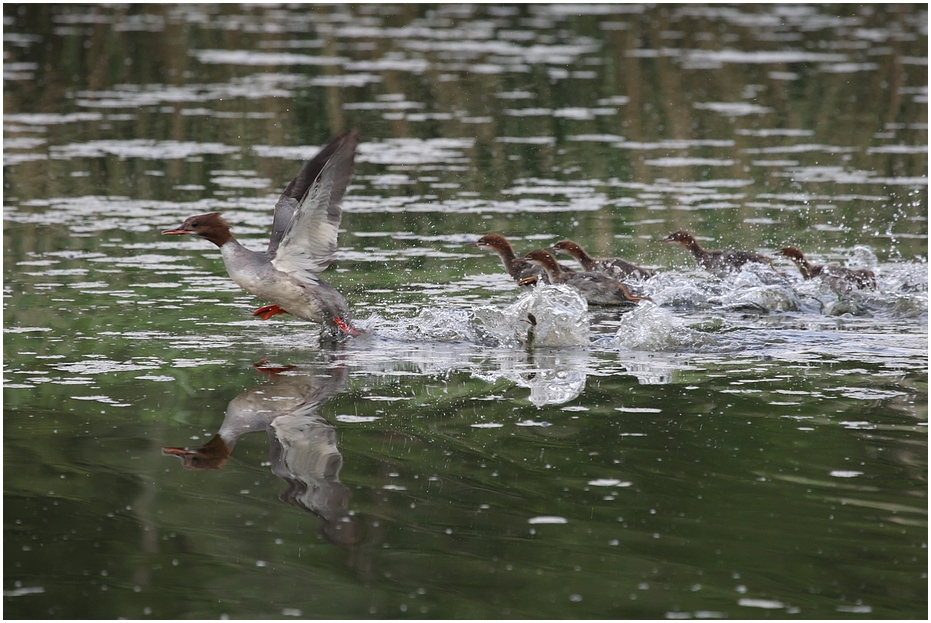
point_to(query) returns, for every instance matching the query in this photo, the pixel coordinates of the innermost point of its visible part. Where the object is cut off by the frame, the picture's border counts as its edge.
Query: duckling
(837, 275)
(596, 288)
(612, 266)
(523, 273)
(722, 260)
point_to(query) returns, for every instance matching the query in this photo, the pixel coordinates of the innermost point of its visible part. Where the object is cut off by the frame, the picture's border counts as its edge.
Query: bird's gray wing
(297, 188)
(310, 239)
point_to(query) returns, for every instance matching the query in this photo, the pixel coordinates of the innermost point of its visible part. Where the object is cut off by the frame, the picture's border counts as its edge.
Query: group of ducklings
(600, 281)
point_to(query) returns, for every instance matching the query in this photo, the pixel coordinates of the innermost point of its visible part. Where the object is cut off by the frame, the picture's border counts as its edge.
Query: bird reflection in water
(303, 450)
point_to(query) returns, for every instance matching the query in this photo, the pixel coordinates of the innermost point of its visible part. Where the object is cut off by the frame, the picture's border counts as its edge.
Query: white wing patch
(310, 240)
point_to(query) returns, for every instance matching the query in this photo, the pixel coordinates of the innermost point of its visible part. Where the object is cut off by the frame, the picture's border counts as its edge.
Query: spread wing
(309, 240)
(295, 191)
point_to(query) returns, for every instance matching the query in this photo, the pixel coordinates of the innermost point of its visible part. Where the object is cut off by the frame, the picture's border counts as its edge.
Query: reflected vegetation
(744, 444)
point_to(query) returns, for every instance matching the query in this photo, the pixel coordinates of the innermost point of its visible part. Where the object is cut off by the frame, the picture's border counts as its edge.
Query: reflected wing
(309, 240)
(295, 191)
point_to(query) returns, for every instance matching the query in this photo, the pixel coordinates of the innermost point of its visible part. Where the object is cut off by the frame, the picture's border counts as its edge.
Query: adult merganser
(302, 244)
(837, 275)
(715, 261)
(596, 288)
(612, 266)
(523, 273)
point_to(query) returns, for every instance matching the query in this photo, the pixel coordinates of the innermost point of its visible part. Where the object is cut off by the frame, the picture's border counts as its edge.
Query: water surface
(745, 446)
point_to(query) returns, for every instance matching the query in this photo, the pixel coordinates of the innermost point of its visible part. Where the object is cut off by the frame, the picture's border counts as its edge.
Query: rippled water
(743, 445)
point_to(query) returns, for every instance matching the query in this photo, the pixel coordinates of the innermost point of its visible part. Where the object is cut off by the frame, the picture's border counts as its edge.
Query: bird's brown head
(792, 253)
(544, 258)
(210, 226)
(682, 237)
(496, 242)
(570, 247)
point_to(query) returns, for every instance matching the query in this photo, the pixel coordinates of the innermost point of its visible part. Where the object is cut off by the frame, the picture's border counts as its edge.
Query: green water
(746, 447)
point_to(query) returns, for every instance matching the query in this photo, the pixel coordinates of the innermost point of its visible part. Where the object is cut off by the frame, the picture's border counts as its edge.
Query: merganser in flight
(302, 245)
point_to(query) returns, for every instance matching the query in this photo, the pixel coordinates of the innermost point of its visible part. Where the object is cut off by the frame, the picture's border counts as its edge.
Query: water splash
(651, 328)
(747, 291)
(902, 289)
(862, 256)
(543, 316)
(547, 315)
(754, 287)
(675, 289)
(430, 324)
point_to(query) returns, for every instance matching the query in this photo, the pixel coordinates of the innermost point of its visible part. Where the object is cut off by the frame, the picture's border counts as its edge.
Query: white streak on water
(547, 519)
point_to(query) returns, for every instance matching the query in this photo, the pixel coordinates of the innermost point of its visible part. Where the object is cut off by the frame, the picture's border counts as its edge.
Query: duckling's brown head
(682, 237)
(544, 258)
(792, 253)
(496, 242)
(570, 247)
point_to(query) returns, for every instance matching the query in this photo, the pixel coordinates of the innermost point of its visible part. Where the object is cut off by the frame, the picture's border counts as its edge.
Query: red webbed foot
(268, 311)
(345, 328)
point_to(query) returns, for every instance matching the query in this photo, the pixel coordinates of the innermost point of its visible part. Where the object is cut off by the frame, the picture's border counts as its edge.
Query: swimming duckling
(596, 288)
(612, 266)
(523, 273)
(722, 260)
(837, 275)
